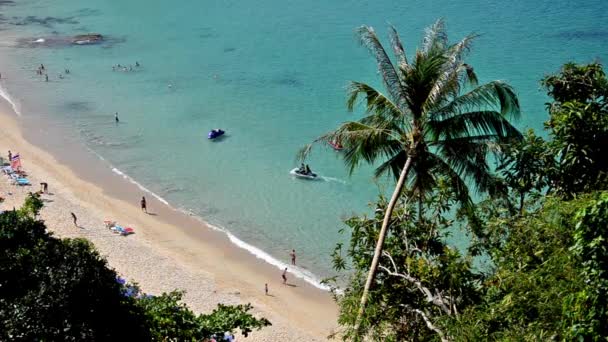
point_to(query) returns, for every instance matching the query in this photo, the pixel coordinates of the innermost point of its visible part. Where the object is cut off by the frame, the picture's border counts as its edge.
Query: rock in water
(85, 39)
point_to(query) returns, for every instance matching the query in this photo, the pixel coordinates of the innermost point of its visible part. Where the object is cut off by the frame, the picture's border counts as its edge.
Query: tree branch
(430, 325)
(437, 299)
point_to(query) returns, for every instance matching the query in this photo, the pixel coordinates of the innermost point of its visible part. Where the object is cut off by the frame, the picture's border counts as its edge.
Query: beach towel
(23, 181)
(123, 231)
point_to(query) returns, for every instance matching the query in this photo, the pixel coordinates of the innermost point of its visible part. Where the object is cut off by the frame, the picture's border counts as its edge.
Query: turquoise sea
(273, 75)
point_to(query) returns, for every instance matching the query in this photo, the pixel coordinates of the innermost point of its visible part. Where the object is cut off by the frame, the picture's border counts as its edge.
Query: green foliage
(526, 166)
(542, 249)
(62, 289)
(587, 309)
(168, 317)
(32, 205)
(54, 289)
(532, 272)
(579, 83)
(579, 128)
(421, 261)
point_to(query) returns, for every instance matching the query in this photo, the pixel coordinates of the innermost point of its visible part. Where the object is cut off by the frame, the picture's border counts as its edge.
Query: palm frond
(469, 161)
(352, 133)
(364, 143)
(472, 124)
(492, 141)
(398, 49)
(376, 102)
(390, 77)
(435, 37)
(469, 75)
(495, 95)
(449, 80)
(456, 182)
(393, 164)
(303, 152)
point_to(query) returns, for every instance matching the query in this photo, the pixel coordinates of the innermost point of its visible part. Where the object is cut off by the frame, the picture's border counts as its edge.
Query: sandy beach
(170, 250)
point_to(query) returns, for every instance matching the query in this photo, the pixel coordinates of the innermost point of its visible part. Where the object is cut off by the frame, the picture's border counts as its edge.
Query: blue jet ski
(215, 133)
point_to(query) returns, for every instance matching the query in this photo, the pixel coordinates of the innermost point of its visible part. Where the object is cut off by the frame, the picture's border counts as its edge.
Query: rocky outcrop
(85, 39)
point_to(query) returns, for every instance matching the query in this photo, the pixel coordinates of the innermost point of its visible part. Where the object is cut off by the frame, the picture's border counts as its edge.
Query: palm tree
(434, 121)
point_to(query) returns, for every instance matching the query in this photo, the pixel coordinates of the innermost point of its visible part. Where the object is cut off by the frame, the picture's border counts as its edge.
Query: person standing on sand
(143, 204)
(266, 288)
(75, 219)
(116, 117)
(284, 276)
(10, 156)
(293, 257)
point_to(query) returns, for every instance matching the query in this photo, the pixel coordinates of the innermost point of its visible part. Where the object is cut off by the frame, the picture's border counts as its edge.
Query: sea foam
(298, 272)
(4, 94)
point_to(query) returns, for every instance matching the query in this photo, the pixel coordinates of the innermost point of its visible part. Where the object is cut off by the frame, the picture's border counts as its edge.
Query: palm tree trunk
(380, 243)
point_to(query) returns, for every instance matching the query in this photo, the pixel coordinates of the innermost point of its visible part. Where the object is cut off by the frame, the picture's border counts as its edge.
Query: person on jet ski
(302, 169)
(308, 172)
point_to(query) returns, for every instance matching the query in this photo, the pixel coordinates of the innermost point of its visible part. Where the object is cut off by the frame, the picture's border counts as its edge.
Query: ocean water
(273, 75)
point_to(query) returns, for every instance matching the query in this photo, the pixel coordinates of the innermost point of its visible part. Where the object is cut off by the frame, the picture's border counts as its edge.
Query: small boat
(335, 145)
(215, 133)
(303, 174)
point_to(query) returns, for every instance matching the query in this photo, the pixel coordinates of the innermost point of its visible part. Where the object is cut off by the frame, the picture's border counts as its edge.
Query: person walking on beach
(284, 276)
(116, 117)
(10, 156)
(143, 204)
(293, 257)
(75, 219)
(266, 288)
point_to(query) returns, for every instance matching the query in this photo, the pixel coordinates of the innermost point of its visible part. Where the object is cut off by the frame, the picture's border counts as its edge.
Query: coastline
(206, 262)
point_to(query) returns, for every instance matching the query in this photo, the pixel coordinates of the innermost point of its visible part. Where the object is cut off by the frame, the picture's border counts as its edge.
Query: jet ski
(215, 133)
(303, 172)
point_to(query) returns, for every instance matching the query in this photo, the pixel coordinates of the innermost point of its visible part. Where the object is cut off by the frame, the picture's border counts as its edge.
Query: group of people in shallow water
(124, 68)
(43, 71)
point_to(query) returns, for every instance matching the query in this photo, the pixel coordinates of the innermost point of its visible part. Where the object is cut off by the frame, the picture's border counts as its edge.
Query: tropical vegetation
(528, 260)
(434, 122)
(62, 290)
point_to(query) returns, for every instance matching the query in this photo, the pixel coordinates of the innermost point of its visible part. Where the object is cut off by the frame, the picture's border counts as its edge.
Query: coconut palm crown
(434, 120)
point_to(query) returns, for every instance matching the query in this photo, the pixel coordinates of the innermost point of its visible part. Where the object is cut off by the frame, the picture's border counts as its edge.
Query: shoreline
(187, 241)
